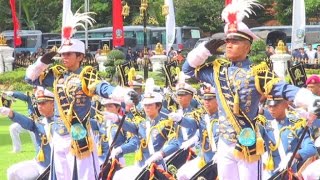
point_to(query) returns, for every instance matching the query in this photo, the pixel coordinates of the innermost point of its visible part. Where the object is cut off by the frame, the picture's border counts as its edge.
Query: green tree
(201, 13)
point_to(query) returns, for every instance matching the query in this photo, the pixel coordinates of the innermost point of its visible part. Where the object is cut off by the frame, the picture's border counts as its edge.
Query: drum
(285, 174)
(209, 171)
(156, 172)
(178, 159)
(45, 174)
(112, 166)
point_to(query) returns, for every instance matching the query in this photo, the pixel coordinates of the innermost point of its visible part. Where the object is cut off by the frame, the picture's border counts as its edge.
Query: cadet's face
(278, 111)
(111, 108)
(184, 100)
(237, 50)
(314, 88)
(71, 61)
(46, 108)
(210, 105)
(151, 110)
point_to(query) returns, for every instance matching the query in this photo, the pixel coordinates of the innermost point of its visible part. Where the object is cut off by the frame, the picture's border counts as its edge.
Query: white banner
(170, 26)
(298, 24)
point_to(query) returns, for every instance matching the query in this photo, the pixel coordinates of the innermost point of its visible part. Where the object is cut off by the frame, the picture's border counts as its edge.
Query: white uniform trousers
(312, 172)
(231, 168)
(25, 170)
(15, 130)
(63, 159)
(189, 169)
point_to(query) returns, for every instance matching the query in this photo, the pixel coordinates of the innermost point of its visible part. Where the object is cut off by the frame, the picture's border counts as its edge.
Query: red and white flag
(117, 21)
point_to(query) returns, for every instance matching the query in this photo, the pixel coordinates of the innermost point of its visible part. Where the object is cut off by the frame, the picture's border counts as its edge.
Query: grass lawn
(7, 158)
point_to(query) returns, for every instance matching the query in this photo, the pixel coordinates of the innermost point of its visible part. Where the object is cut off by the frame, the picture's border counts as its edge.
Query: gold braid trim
(300, 124)
(57, 70)
(263, 68)
(89, 80)
(61, 112)
(203, 143)
(268, 87)
(69, 116)
(229, 114)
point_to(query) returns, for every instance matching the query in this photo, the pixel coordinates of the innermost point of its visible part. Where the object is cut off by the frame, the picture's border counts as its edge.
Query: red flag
(227, 2)
(117, 20)
(16, 37)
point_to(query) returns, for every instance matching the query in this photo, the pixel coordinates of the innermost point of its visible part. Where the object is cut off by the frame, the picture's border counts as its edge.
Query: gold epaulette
(264, 78)
(89, 80)
(57, 70)
(259, 68)
(211, 64)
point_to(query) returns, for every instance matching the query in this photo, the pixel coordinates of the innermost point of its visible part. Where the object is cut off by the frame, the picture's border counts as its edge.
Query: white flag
(298, 24)
(170, 26)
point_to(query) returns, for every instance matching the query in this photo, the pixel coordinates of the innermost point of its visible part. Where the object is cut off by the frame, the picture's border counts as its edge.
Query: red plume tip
(232, 17)
(67, 32)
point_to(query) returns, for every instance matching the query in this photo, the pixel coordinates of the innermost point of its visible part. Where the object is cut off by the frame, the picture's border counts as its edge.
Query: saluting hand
(47, 57)
(4, 111)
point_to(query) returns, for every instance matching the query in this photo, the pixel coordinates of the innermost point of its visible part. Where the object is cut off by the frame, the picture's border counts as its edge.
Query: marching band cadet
(73, 87)
(239, 86)
(281, 137)
(185, 94)
(121, 147)
(152, 131)
(31, 169)
(207, 135)
(15, 129)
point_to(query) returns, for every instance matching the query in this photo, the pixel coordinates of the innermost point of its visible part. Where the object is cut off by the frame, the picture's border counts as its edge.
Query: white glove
(9, 93)
(198, 55)
(304, 98)
(155, 157)
(175, 116)
(119, 93)
(4, 111)
(110, 116)
(115, 152)
(215, 158)
(185, 145)
(284, 162)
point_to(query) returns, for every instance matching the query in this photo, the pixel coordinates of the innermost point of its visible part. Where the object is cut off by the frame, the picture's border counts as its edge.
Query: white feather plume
(182, 78)
(242, 8)
(72, 21)
(149, 87)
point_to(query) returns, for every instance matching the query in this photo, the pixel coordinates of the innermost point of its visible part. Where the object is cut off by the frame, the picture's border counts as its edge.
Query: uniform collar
(240, 64)
(282, 122)
(155, 120)
(78, 71)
